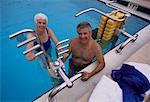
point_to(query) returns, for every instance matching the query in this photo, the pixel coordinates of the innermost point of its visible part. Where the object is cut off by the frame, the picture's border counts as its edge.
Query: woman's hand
(30, 56)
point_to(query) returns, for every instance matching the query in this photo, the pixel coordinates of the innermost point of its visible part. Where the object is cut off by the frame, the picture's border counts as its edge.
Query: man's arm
(100, 65)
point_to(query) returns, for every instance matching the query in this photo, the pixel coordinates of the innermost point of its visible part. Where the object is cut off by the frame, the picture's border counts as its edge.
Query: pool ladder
(57, 66)
(130, 39)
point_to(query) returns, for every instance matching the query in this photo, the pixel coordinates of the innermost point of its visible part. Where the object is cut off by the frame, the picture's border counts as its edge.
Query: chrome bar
(66, 79)
(62, 47)
(110, 2)
(58, 65)
(106, 1)
(62, 86)
(60, 57)
(62, 52)
(94, 9)
(26, 41)
(126, 42)
(126, 34)
(21, 32)
(39, 53)
(62, 42)
(31, 49)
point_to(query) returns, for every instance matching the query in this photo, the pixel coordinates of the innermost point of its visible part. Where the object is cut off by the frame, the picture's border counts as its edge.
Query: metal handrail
(131, 39)
(56, 66)
(26, 41)
(63, 41)
(62, 47)
(31, 49)
(21, 32)
(62, 52)
(126, 34)
(57, 89)
(96, 10)
(39, 53)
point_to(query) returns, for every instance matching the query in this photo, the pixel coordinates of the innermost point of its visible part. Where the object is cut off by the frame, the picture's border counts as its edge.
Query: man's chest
(84, 53)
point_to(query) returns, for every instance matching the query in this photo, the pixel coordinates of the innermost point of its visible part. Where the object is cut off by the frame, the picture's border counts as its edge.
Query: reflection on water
(108, 45)
(21, 38)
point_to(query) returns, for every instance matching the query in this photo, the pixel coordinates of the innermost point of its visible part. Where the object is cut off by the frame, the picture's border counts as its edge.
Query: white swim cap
(40, 16)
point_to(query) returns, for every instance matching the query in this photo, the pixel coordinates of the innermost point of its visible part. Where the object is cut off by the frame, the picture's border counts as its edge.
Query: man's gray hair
(83, 25)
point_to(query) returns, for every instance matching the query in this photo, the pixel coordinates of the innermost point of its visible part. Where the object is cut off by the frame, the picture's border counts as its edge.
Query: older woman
(44, 33)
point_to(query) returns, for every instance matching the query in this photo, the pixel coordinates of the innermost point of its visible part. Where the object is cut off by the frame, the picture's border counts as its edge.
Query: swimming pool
(23, 80)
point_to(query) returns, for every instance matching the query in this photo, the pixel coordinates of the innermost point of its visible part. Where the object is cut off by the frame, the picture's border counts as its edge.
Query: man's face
(41, 24)
(84, 35)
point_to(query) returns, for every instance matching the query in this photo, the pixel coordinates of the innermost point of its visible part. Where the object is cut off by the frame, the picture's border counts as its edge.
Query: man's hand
(85, 76)
(65, 56)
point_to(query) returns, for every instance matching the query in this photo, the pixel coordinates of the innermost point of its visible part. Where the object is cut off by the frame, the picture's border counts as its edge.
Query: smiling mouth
(42, 27)
(83, 41)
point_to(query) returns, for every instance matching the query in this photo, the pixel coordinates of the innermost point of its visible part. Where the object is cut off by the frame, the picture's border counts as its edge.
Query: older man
(83, 50)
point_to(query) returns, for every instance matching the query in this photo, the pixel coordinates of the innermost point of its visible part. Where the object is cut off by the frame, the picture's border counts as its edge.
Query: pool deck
(145, 3)
(140, 14)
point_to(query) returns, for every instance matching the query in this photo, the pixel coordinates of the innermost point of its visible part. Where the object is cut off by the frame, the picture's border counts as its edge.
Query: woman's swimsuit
(46, 44)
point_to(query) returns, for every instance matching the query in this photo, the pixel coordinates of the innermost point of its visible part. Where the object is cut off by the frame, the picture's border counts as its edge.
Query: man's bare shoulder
(94, 43)
(96, 46)
(73, 40)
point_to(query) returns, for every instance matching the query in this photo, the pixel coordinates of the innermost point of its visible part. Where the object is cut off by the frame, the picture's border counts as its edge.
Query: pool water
(22, 80)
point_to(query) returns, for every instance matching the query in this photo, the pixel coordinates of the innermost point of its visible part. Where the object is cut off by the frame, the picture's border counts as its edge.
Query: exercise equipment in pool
(108, 26)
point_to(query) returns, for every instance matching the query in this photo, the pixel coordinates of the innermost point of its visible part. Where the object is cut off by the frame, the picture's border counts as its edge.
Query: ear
(90, 32)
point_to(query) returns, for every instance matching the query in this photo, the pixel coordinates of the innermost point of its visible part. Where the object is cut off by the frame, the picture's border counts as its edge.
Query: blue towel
(132, 82)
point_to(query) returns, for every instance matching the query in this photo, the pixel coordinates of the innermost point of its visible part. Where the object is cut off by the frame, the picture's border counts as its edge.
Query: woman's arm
(52, 36)
(30, 56)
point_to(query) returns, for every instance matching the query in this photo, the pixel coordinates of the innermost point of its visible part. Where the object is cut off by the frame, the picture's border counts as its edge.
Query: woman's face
(41, 25)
